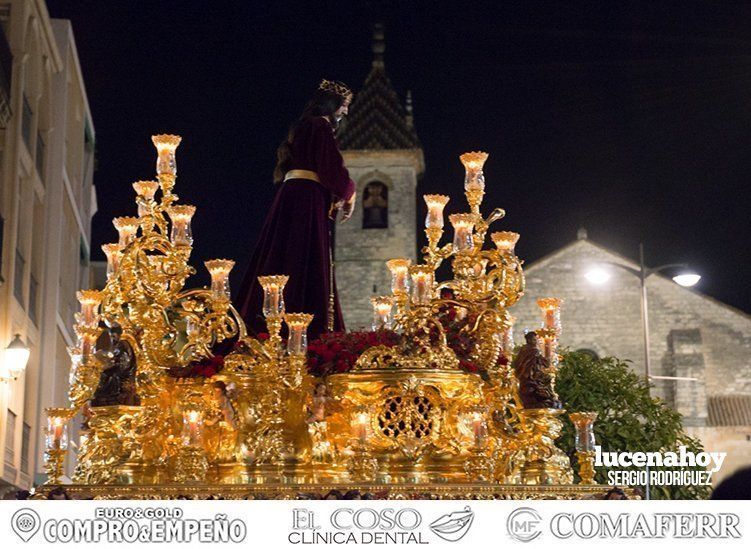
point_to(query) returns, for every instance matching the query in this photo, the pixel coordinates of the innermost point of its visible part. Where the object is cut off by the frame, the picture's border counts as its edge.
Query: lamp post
(15, 359)
(600, 276)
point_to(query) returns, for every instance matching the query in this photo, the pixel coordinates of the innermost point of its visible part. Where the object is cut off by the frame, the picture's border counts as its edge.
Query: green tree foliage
(629, 420)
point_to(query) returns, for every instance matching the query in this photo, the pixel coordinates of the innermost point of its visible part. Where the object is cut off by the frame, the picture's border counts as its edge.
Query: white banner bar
(439, 524)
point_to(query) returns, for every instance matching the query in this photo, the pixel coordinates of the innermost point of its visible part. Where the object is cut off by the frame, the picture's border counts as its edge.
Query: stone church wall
(361, 254)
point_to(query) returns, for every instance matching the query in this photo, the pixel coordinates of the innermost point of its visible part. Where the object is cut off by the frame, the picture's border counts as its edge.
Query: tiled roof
(729, 410)
(377, 119)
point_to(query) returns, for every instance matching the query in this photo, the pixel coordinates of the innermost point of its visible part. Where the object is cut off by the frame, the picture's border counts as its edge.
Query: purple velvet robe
(295, 239)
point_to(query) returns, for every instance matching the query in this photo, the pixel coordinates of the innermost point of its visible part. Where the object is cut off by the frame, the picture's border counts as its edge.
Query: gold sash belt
(302, 174)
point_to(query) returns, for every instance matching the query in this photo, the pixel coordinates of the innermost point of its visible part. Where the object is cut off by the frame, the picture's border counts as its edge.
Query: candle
(474, 179)
(436, 203)
(146, 189)
(192, 426)
(57, 427)
(273, 294)
(505, 241)
(181, 216)
(399, 275)
(422, 284)
(584, 436)
(297, 341)
(127, 227)
(551, 312)
(114, 255)
(219, 270)
(382, 306)
(361, 427)
(478, 428)
(90, 301)
(165, 147)
(463, 225)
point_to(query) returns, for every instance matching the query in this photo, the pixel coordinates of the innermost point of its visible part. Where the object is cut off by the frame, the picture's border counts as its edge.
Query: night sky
(632, 120)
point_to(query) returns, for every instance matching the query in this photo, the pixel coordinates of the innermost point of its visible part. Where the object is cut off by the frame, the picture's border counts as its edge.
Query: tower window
(375, 206)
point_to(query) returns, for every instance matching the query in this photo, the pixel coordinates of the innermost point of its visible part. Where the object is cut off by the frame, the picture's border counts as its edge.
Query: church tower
(384, 158)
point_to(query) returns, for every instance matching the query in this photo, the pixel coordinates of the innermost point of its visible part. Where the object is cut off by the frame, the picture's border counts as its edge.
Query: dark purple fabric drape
(295, 238)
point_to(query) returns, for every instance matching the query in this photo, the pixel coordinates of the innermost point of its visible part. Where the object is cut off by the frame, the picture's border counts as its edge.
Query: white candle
(165, 146)
(474, 179)
(362, 427)
(181, 216)
(382, 306)
(297, 341)
(463, 225)
(422, 284)
(127, 227)
(114, 255)
(436, 203)
(219, 270)
(399, 275)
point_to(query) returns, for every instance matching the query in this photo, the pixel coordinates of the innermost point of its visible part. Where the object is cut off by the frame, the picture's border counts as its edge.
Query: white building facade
(47, 200)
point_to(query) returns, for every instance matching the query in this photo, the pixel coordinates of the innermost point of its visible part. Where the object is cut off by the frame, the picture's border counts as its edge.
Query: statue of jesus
(313, 185)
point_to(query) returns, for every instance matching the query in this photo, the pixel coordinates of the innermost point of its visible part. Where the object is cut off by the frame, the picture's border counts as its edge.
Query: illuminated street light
(687, 279)
(597, 276)
(15, 359)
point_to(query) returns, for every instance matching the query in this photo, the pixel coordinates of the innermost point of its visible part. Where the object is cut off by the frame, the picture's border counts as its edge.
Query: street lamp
(598, 275)
(15, 359)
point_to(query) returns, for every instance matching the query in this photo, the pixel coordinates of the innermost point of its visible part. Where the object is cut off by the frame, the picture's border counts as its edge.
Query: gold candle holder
(505, 241)
(273, 307)
(551, 312)
(382, 307)
(192, 431)
(474, 179)
(90, 301)
(56, 442)
(145, 191)
(191, 462)
(463, 225)
(436, 203)
(181, 216)
(114, 255)
(422, 284)
(361, 466)
(399, 275)
(273, 294)
(584, 443)
(165, 147)
(219, 270)
(127, 227)
(297, 341)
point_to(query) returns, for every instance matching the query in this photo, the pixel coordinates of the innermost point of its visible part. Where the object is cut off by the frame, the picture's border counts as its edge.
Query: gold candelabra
(412, 412)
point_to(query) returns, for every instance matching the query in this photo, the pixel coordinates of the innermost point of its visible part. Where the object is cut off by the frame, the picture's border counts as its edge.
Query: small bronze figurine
(117, 382)
(536, 380)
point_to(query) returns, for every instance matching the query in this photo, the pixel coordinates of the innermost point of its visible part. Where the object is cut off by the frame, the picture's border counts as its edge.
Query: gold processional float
(407, 420)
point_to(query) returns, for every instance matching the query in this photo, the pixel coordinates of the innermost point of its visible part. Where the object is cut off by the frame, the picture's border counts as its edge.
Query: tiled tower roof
(377, 119)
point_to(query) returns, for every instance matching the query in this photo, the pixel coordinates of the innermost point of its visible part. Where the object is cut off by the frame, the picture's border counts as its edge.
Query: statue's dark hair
(323, 103)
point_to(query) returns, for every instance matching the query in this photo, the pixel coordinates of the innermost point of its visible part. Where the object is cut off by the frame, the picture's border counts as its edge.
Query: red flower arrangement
(201, 368)
(337, 352)
(210, 366)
